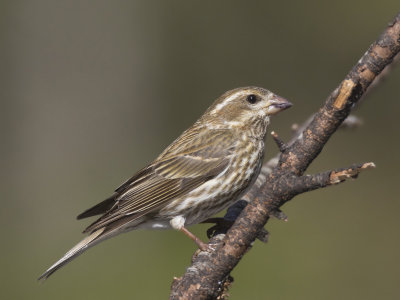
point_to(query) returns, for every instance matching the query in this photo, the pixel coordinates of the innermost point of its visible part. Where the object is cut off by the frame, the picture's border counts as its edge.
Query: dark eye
(251, 99)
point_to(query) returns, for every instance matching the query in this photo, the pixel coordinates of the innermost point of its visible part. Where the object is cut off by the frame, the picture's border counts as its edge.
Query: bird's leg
(202, 246)
(178, 223)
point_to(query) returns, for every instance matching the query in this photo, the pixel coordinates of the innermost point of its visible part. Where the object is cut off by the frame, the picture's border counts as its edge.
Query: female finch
(208, 168)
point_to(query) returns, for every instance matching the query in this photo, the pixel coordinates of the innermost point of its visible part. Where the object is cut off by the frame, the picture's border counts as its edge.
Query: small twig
(281, 144)
(308, 183)
(352, 172)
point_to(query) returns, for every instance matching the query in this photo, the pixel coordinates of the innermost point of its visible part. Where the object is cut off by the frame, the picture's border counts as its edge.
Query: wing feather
(182, 167)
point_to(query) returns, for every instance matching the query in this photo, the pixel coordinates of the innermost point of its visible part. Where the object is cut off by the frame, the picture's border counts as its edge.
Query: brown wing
(182, 167)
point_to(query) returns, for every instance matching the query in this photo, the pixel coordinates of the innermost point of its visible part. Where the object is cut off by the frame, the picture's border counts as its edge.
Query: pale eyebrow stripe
(226, 101)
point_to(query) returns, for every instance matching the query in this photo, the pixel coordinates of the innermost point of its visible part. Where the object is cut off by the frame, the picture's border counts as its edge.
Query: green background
(93, 90)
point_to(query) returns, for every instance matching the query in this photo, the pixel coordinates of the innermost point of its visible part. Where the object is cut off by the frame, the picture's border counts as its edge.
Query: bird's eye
(252, 99)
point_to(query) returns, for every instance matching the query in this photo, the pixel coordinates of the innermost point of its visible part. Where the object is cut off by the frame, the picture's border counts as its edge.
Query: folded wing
(194, 158)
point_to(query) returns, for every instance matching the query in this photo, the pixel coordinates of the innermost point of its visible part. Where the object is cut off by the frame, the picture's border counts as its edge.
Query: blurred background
(91, 91)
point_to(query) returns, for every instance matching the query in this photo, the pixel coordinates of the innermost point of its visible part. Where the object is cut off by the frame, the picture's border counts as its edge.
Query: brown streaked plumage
(202, 172)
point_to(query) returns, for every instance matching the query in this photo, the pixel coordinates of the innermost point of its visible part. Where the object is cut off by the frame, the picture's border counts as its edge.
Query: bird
(206, 169)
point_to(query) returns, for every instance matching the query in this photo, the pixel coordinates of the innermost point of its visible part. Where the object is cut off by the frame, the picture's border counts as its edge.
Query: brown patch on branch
(344, 93)
(206, 277)
(368, 74)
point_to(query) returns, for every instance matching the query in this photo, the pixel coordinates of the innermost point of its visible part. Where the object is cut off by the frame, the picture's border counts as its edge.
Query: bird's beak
(278, 104)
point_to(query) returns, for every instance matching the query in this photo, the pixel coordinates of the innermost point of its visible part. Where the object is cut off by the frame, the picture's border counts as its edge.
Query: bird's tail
(91, 240)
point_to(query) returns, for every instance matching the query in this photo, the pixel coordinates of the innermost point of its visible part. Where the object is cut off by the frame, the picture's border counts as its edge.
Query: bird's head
(246, 108)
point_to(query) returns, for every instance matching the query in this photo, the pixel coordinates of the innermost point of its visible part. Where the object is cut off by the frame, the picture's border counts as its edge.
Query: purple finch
(208, 168)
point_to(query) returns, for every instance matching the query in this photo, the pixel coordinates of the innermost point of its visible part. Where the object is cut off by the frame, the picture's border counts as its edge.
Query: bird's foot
(221, 226)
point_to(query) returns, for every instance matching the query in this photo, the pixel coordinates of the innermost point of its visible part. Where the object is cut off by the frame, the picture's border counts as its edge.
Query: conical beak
(278, 104)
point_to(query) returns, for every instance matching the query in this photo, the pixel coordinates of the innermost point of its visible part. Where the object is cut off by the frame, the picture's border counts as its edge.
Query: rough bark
(208, 275)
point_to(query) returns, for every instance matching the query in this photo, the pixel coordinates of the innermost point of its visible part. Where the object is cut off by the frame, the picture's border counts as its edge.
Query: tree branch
(208, 276)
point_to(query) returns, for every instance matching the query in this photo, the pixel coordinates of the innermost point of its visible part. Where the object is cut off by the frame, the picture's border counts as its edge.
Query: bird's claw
(206, 247)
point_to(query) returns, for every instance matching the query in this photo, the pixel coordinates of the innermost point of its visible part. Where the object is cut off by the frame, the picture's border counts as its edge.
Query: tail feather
(83, 245)
(124, 224)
